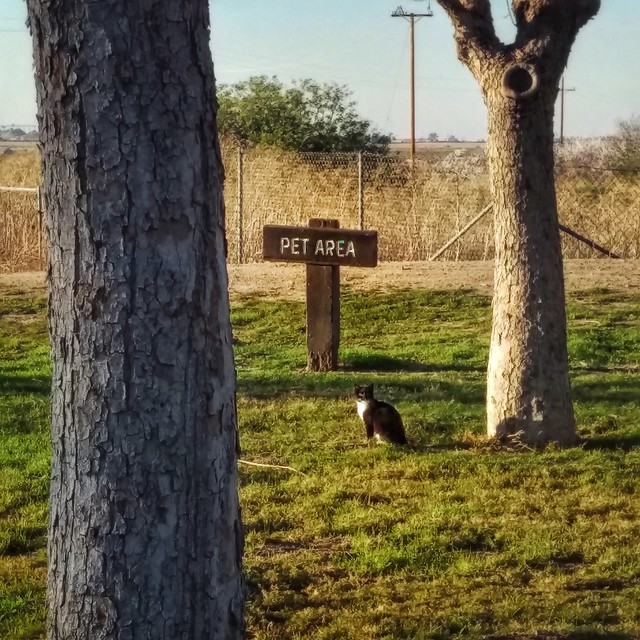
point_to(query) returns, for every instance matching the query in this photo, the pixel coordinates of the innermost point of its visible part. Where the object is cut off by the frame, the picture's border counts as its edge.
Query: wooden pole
(412, 114)
(40, 227)
(240, 186)
(562, 110)
(323, 311)
(562, 92)
(563, 228)
(588, 242)
(360, 192)
(411, 17)
(460, 233)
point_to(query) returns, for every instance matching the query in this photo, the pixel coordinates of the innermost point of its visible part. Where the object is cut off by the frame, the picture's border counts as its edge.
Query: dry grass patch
(21, 233)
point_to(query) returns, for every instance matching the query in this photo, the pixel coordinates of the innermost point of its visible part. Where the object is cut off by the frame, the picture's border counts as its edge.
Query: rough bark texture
(528, 388)
(145, 538)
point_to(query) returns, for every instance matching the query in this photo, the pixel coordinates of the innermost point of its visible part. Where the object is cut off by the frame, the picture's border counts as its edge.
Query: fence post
(40, 226)
(323, 310)
(360, 192)
(240, 211)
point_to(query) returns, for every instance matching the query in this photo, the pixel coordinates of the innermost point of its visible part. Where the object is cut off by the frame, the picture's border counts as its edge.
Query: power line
(396, 77)
(510, 13)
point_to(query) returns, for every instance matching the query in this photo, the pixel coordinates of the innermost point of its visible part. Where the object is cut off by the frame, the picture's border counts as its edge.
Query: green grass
(458, 539)
(25, 371)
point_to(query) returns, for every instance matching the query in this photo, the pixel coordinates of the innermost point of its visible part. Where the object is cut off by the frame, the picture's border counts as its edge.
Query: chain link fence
(417, 209)
(602, 204)
(414, 209)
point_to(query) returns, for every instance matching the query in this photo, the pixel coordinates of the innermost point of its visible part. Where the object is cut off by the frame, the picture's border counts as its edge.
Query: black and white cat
(381, 420)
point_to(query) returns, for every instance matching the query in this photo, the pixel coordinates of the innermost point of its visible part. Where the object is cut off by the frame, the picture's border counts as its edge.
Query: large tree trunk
(145, 538)
(528, 390)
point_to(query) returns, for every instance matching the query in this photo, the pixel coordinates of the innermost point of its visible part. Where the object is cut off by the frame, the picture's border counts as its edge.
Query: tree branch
(462, 8)
(474, 31)
(535, 18)
(547, 30)
(577, 12)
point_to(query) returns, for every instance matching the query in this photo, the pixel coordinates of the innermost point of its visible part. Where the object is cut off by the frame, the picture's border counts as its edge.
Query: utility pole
(562, 92)
(412, 18)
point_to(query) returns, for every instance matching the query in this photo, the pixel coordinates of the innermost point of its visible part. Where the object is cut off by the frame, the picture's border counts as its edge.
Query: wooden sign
(324, 247)
(320, 245)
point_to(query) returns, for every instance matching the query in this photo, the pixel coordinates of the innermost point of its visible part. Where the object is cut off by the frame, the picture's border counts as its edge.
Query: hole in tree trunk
(520, 81)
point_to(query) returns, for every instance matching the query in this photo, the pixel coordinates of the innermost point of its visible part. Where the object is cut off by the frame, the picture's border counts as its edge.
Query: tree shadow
(620, 443)
(371, 363)
(336, 386)
(622, 390)
(441, 447)
(601, 368)
(572, 635)
(22, 384)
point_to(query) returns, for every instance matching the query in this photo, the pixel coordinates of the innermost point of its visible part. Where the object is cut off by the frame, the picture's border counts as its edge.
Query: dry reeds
(21, 242)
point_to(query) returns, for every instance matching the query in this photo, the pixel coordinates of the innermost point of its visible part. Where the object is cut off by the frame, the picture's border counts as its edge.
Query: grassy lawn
(459, 539)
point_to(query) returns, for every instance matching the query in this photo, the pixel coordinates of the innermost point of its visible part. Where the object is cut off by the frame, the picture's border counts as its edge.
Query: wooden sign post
(324, 247)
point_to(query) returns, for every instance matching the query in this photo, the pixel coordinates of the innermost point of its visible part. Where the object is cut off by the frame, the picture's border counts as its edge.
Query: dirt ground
(288, 280)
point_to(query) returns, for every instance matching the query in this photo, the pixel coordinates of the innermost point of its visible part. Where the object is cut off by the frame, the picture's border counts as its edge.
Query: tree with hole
(528, 388)
(145, 538)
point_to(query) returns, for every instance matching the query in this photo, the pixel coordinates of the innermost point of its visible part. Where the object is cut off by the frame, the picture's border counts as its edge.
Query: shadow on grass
(337, 385)
(602, 368)
(381, 363)
(622, 443)
(623, 388)
(24, 539)
(24, 384)
(421, 446)
(572, 635)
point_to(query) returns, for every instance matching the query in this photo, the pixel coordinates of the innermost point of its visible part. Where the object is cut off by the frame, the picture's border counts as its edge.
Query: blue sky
(358, 44)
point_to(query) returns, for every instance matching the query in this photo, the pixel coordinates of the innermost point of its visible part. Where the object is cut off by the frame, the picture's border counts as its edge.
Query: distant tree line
(307, 116)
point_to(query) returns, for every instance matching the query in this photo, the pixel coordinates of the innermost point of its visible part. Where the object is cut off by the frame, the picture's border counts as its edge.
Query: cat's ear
(356, 388)
(369, 388)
